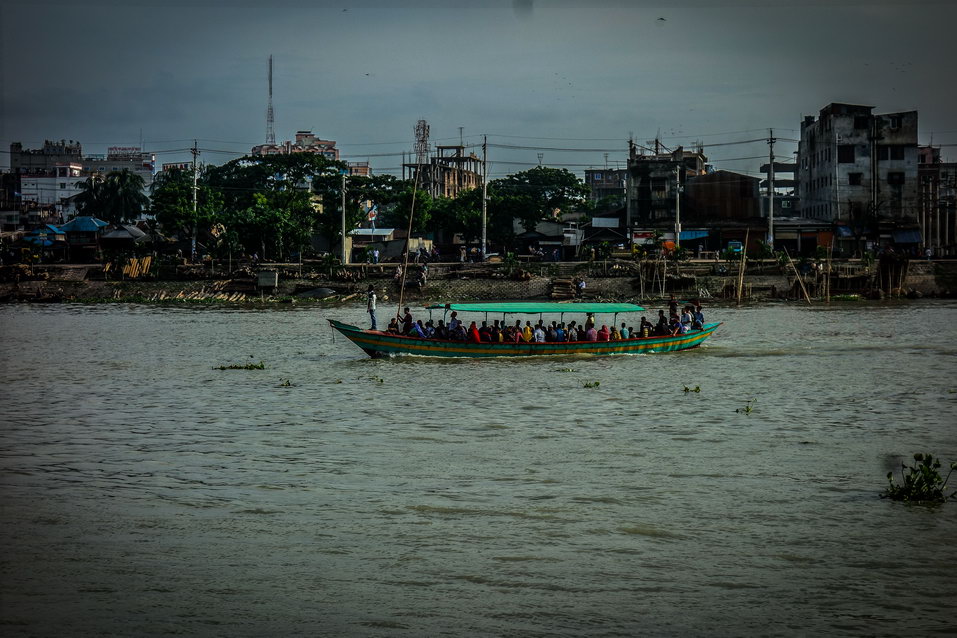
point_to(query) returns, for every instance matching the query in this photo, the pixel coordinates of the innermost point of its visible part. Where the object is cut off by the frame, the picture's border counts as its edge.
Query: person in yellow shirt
(527, 332)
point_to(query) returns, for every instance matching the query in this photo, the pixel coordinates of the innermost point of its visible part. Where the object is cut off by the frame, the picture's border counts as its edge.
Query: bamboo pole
(798, 275)
(827, 285)
(743, 264)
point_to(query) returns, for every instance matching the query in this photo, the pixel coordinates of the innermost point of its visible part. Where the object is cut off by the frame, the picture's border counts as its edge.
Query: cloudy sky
(541, 74)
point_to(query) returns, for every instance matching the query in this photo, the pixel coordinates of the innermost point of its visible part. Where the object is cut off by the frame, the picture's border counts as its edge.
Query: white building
(54, 189)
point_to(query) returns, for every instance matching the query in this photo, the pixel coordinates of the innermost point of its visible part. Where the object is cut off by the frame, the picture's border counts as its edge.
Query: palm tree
(89, 201)
(123, 196)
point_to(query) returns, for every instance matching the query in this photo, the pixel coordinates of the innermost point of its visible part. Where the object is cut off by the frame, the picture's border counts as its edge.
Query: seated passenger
(429, 329)
(624, 333)
(552, 335)
(686, 318)
(589, 321)
(417, 330)
(407, 322)
(615, 334)
(663, 326)
(441, 331)
(580, 333)
(527, 332)
(539, 334)
(560, 333)
(460, 333)
(454, 322)
(645, 328)
(484, 332)
(393, 326)
(591, 334)
(474, 336)
(698, 316)
(603, 334)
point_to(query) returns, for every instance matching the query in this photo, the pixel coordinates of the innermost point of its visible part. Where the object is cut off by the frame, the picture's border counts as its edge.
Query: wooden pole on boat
(798, 275)
(742, 265)
(408, 237)
(827, 284)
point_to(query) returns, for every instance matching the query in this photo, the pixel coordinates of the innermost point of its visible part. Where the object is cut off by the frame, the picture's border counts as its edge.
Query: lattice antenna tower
(421, 142)
(270, 116)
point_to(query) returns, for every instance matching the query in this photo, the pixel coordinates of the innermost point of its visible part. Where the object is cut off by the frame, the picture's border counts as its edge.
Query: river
(146, 493)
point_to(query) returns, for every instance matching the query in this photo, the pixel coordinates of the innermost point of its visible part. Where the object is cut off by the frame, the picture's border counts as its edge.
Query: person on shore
(370, 306)
(407, 322)
(580, 286)
(375, 255)
(461, 254)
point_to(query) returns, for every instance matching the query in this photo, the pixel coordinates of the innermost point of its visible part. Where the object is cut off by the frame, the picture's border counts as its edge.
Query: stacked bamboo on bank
(200, 295)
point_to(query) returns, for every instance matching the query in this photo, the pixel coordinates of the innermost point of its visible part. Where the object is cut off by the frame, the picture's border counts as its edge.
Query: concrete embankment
(612, 280)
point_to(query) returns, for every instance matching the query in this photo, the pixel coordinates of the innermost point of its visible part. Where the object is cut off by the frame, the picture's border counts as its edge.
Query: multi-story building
(721, 195)
(653, 183)
(361, 169)
(938, 201)
(448, 172)
(854, 165)
(120, 158)
(305, 142)
(607, 182)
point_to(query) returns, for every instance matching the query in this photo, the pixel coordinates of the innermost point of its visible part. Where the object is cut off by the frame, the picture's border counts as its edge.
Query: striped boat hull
(377, 344)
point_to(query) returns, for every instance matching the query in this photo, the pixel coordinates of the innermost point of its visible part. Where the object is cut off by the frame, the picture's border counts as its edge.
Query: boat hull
(376, 344)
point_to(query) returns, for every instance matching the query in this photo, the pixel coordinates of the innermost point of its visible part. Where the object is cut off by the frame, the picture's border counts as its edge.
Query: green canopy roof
(538, 307)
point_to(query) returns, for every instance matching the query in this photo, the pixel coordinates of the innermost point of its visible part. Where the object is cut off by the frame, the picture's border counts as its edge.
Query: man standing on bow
(371, 306)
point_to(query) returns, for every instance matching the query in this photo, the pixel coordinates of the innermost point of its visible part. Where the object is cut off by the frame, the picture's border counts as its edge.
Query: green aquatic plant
(697, 388)
(245, 366)
(285, 384)
(565, 370)
(591, 384)
(747, 408)
(921, 483)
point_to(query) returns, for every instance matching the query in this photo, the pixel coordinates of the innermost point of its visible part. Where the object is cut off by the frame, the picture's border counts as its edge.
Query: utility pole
(345, 256)
(195, 152)
(677, 207)
(484, 195)
(771, 188)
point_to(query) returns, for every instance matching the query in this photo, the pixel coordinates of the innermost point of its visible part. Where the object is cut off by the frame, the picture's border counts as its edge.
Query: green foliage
(285, 383)
(117, 198)
(748, 407)
(765, 250)
(534, 195)
(590, 384)
(730, 255)
(697, 388)
(922, 482)
(246, 366)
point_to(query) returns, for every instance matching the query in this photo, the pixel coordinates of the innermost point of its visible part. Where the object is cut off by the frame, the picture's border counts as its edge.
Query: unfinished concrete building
(654, 182)
(448, 172)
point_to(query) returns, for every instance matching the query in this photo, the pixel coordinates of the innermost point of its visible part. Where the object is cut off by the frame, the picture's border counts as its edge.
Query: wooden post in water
(798, 275)
(741, 267)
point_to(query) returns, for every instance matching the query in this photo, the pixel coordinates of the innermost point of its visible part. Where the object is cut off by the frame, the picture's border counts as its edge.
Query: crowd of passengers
(690, 318)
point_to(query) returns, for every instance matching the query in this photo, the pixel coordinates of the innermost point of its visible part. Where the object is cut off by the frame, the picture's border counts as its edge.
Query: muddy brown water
(144, 493)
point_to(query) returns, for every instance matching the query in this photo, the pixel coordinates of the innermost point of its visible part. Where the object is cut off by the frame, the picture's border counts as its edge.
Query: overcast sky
(537, 73)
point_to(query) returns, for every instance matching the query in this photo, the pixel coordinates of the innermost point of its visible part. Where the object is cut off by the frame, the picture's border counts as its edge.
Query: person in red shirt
(474, 336)
(603, 334)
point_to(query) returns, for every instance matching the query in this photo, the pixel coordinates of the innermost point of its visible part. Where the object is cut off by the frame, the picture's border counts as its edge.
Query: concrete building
(361, 169)
(721, 195)
(653, 182)
(854, 165)
(607, 182)
(305, 142)
(448, 172)
(120, 158)
(938, 201)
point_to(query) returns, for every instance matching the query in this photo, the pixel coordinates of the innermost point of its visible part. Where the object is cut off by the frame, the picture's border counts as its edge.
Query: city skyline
(548, 75)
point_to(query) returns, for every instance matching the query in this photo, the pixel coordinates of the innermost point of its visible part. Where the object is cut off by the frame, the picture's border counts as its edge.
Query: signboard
(116, 152)
(604, 222)
(182, 166)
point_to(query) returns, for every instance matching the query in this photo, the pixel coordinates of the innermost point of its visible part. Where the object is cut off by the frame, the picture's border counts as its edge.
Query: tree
(172, 203)
(89, 201)
(534, 195)
(122, 197)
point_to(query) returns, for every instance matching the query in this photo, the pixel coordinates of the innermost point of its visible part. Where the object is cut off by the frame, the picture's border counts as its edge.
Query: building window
(895, 178)
(882, 152)
(845, 154)
(855, 179)
(62, 184)
(659, 185)
(897, 152)
(860, 122)
(895, 121)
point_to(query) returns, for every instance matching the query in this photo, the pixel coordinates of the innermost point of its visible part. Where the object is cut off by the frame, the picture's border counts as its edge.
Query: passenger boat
(377, 343)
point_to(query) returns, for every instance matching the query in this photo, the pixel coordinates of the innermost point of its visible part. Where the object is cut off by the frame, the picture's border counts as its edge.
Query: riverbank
(605, 281)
